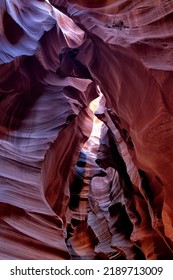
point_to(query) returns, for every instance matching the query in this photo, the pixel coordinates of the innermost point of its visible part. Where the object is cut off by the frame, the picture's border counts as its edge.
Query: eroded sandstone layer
(74, 185)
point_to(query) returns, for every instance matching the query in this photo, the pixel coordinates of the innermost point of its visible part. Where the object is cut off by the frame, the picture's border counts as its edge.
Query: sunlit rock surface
(72, 186)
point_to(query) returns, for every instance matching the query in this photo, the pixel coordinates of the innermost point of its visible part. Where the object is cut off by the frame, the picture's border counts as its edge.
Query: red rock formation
(135, 87)
(50, 68)
(44, 121)
(131, 191)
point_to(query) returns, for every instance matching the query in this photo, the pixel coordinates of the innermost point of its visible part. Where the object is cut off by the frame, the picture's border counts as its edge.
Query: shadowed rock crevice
(12, 30)
(86, 129)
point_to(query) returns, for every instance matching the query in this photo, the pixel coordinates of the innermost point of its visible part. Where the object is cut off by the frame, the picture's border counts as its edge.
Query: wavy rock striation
(44, 121)
(66, 192)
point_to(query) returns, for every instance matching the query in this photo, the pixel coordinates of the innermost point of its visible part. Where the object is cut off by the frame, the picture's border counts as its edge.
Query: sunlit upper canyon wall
(86, 129)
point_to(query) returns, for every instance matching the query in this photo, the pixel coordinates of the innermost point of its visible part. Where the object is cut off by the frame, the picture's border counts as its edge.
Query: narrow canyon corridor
(86, 130)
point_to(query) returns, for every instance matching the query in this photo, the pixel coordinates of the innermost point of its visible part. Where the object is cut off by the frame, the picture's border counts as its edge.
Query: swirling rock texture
(71, 186)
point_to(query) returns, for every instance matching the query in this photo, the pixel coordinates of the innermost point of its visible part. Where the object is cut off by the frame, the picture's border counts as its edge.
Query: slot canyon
(86, 130)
